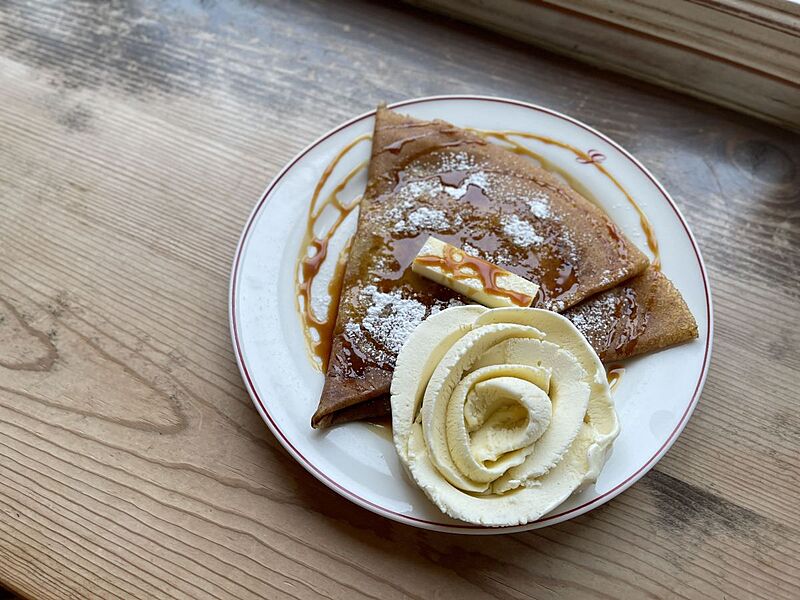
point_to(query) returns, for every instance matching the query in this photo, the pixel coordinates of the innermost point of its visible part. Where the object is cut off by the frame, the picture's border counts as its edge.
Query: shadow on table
(6, 594)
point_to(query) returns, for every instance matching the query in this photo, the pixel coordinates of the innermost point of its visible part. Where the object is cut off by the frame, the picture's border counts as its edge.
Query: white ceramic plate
(654, 398)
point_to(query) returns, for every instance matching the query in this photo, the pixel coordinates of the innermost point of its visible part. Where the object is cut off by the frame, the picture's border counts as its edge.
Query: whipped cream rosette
(499, 415)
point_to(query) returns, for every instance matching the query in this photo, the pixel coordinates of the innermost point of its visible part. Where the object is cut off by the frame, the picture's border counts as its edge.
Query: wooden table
(135, 137)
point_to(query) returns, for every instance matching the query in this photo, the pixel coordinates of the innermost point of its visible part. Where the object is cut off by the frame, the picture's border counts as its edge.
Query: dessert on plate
(499, 415)
(430, 178)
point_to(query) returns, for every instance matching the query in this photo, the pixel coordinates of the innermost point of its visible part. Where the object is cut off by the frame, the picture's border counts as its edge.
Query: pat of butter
(472, 277)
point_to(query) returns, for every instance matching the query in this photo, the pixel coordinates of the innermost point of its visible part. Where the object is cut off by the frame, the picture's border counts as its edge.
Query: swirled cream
(500, 415)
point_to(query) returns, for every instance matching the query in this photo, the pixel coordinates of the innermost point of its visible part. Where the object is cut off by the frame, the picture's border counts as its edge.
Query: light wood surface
(737, 53)
(135, 137)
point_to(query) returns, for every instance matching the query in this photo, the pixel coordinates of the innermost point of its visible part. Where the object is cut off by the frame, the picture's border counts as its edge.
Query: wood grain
(740, 54)
(135, 138)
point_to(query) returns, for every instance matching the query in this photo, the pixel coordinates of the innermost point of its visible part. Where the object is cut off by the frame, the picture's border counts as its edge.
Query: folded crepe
(643, 314)
(431, 178)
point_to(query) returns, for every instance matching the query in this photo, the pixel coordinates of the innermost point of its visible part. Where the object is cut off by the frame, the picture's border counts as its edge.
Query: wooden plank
(736, 53)
(134, 140)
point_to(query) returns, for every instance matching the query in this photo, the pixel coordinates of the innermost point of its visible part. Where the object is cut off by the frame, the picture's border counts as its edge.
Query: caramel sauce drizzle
(463, 266)
(314, 249)
(314, 252)
(559, 280)
(397, 146)
(614, 374)
(631, 321)
(517, 148)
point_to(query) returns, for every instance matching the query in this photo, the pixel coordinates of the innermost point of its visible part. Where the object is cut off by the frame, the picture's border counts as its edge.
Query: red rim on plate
(465, 527)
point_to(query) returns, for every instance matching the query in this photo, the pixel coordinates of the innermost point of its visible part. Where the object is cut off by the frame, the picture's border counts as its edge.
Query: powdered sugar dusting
(352, 330)
(390, 319)
(450, 304)
(414, 190)
(540, 206)
(396, 213)
(501, 259)
(457, 161)
(521, 232)
(478, 178)
(423, 218)
(420, 186)
(592, 318)
(607, 277)
(471, 250)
